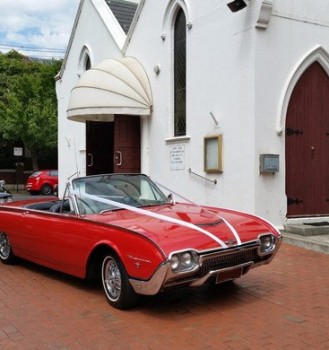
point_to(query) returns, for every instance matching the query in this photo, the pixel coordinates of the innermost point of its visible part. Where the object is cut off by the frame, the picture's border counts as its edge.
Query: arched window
(180, 74)
(87, 63)
(84, 60)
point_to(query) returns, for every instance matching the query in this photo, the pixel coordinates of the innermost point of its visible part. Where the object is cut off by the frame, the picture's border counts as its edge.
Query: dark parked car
(5, 196)
(43, 181)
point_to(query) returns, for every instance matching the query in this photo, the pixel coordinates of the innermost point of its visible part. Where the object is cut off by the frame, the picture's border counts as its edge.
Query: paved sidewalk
(283, 305)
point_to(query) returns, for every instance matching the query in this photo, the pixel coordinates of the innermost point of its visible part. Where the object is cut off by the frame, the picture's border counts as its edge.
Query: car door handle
(118, 158)
(91, 158)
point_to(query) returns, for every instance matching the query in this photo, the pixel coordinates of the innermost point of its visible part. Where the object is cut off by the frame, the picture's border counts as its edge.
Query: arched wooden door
(307, 145)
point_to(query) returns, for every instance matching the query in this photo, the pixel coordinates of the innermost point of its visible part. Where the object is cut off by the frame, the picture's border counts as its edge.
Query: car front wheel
(6, 252)
(118, 290)
(46, 190)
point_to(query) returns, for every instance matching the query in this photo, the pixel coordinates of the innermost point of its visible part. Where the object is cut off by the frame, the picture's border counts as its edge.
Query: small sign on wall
(18, 151)
(269, 163)
(177, 157)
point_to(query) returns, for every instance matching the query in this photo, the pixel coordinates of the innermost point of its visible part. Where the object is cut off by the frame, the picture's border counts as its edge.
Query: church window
(180, 74)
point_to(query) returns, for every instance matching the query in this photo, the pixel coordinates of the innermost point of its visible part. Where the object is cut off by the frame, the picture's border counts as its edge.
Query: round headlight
(174, 262)
(186, 259)
(267, 243)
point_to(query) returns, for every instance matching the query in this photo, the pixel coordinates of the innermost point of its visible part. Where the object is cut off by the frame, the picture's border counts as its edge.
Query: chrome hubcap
(112, 279)
(4, 246)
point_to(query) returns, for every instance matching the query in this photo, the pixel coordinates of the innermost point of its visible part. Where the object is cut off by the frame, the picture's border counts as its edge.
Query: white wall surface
(236, 71)
(296, 28)
(92, 32)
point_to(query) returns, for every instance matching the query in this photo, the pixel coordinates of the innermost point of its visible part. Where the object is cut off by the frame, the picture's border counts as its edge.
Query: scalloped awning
(115, 86)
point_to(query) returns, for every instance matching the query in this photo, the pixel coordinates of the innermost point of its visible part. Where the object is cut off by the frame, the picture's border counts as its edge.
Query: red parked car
(123, 229)
(43, 181)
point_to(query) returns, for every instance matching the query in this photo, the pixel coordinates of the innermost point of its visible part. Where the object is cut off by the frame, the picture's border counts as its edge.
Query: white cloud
(30, 24)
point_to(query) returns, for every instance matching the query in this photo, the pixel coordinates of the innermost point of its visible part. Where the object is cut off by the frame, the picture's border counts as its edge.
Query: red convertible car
(122, 228)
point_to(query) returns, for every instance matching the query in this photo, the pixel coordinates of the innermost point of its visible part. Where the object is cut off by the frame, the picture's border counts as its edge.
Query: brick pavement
(279, 306)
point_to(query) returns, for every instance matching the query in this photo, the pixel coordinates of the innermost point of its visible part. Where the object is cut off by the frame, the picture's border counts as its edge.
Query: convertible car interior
(61, 206)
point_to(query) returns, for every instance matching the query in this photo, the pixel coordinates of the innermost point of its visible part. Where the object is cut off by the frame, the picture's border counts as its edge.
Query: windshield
(100, 193)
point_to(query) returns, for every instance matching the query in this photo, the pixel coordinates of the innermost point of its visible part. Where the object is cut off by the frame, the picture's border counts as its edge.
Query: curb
(319, 243)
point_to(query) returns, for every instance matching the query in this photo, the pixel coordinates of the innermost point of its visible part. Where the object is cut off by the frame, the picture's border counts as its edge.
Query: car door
(54, 240)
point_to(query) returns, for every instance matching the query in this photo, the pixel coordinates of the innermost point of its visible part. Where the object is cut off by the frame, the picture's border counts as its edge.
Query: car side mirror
(171, 198)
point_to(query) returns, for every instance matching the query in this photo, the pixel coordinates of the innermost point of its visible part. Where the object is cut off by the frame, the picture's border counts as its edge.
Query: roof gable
(124, 12)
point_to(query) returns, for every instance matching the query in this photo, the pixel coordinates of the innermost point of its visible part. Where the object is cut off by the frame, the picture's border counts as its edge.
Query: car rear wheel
(6, 252)
(46, 190)
(118, 290)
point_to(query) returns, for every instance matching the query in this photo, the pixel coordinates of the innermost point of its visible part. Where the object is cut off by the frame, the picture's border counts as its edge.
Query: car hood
(181, 226)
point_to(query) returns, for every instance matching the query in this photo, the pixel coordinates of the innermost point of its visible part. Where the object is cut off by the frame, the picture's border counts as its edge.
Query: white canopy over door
(114, 86)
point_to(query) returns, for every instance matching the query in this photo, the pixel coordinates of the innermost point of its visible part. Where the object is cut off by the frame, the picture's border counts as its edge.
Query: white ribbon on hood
(151, 214)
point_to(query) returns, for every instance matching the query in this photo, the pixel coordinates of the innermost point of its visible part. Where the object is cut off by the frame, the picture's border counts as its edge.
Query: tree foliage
(28, 105)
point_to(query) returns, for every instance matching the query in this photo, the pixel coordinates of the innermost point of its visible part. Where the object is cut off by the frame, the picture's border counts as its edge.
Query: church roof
(124, 12)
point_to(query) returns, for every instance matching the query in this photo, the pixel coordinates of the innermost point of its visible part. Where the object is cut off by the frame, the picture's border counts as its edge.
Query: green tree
(28, 105)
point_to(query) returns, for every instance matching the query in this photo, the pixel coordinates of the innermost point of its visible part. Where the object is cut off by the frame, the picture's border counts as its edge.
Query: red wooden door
(127, 155)
(307, 145)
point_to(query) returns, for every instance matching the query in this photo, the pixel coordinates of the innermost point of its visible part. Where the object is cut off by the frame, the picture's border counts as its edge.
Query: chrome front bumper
(226, 264)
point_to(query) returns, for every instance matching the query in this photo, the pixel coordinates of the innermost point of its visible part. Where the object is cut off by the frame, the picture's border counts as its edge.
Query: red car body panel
(64, 242)
(171, 236)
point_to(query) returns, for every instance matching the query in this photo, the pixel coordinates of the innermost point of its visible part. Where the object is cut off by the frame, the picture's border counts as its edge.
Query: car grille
(227, 260)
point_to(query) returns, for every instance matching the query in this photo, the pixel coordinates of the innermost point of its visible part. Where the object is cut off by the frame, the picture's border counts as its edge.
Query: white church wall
(91, 35)
(219, 82)
(237, 77)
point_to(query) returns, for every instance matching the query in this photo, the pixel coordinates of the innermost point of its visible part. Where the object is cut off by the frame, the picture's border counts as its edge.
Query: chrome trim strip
(152, 286)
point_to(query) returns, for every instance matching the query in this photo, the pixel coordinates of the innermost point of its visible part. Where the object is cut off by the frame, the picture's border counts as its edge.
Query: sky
(37, 28)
